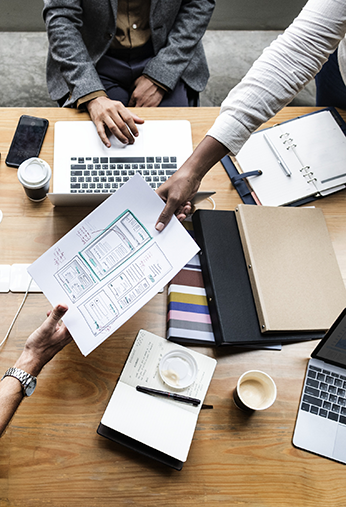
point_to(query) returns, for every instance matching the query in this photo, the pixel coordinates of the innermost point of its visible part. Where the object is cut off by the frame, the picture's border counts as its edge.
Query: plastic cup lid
(178, 369)
(34, 172)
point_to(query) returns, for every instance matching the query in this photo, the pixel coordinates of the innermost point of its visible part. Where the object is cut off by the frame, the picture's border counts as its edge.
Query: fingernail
(160, 226)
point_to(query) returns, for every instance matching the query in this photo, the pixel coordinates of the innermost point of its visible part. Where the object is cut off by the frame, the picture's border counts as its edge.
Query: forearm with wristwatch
(16, 383)
(28, 382)
(19, 381)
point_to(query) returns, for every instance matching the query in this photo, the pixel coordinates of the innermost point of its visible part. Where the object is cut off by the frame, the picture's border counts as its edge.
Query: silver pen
(278, 157)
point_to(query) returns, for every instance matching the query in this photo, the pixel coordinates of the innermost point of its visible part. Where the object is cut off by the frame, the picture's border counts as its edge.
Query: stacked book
(188, 319)
(270, 274)
(264, 276)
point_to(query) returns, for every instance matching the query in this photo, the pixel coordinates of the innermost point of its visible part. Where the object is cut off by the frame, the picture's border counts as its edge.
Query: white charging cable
(18, 312)
(212, 201)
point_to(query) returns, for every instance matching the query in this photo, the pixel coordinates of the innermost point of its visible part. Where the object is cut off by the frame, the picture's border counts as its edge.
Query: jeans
(119, 69)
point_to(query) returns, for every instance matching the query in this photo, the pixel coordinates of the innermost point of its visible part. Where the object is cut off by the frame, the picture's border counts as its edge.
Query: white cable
(212, 201)
(15, 317)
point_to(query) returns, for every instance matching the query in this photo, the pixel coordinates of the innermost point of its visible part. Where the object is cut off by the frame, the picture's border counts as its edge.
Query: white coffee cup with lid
(35, 174)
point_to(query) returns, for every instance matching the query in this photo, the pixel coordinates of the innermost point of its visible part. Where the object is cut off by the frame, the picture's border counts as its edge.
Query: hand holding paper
(112, 263)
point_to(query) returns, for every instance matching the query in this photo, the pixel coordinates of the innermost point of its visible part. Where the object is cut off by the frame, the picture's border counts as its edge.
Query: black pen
(177, 397)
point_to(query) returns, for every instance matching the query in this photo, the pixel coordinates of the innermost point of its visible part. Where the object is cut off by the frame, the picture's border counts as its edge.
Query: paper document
(112, 263)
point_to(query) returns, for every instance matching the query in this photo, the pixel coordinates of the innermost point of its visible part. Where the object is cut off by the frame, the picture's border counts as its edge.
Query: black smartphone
(27, 140)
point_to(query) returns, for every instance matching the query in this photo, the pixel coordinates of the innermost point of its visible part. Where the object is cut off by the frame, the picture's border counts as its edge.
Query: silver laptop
(321, 421)
(85, 172)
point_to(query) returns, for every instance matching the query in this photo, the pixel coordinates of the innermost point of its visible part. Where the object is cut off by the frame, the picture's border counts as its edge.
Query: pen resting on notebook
(166, 394)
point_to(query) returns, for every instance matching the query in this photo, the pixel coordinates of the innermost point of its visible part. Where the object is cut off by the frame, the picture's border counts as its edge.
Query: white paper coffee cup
(255, 390)
(35, 174)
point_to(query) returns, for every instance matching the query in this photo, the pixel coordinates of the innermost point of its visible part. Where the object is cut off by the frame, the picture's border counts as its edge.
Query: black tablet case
(230, 300)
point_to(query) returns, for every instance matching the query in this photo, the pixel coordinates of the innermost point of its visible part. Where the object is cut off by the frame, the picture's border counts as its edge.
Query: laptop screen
(332, 347)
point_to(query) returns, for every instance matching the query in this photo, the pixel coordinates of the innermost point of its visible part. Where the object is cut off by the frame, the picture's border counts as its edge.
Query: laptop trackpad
(339, 452)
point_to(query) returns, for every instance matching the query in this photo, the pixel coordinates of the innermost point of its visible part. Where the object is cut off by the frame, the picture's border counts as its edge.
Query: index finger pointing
(165, 216)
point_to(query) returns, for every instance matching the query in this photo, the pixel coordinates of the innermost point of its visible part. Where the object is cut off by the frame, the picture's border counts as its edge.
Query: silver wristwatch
(28, 381)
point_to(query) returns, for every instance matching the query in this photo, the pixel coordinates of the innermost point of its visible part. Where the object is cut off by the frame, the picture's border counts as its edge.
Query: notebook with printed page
(161, 428)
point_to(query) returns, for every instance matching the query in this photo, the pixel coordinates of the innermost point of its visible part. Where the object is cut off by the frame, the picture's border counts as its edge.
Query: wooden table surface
(51, 454)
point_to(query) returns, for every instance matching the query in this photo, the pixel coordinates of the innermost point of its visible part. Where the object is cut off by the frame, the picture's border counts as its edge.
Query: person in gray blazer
(108, 54)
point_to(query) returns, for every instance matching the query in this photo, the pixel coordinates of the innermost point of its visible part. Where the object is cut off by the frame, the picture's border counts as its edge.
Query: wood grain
(51, 454)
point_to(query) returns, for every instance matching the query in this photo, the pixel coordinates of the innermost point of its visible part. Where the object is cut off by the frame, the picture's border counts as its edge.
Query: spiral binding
(288, 140)
(305, 170)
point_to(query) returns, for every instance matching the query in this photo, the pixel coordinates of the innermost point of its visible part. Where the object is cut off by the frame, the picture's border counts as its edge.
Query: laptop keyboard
(94, 175)
(325, 394)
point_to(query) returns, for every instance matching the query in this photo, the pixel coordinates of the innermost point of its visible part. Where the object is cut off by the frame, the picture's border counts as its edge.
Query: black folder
(230, 300)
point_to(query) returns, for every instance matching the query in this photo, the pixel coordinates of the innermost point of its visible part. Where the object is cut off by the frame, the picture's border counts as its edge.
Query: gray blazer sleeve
(70, 66)
(177, 29)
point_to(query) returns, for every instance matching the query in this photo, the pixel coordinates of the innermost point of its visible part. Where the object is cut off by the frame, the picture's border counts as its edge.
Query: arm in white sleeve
(283, 69)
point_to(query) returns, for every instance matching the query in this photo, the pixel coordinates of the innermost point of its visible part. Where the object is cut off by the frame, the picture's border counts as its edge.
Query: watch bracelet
(19, 374)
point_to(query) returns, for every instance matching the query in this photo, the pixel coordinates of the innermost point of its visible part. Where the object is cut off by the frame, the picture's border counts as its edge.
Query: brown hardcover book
(294, 274)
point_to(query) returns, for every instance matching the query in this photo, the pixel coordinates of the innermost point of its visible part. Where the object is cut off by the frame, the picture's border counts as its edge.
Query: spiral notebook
(297, 159)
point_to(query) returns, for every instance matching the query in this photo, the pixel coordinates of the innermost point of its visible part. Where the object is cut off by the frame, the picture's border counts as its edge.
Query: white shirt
(283, 69)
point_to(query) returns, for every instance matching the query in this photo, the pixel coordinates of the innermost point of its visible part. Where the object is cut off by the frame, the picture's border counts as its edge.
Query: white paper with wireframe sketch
(112, 263)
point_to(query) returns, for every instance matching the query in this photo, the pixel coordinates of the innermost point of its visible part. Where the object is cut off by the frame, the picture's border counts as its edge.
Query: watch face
(30, 388)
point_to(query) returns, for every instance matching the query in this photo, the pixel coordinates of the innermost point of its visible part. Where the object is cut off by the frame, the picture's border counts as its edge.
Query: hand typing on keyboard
(113, 115)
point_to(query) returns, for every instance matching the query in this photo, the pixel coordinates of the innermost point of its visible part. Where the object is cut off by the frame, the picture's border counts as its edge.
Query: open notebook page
(161, 423)
(312, 146)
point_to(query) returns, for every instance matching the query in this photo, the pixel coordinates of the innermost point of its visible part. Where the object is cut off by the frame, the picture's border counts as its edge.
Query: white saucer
(178, 369)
